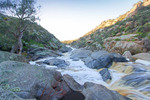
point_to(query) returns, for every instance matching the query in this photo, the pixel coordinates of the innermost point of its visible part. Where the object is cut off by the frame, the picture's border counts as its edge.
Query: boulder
(72, 83)
(98, 92)
(30, 82)
(121, 46)
(55, 62)
(80, 53)
(6, 56)
(41, 52)
(103, 59)
(127, 54)
(73, 95)
(105, 74)
(143, 56)
(65, 49)
(146, 43)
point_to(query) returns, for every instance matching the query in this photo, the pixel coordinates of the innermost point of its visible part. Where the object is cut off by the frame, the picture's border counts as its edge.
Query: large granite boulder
(98, 92)
(36, 53)
(80, 53)
(72, 83)
(6, 56)
(103, 59)
(29, 82)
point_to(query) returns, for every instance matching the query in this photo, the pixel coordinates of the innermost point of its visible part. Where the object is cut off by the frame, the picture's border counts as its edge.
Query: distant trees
(23, 12)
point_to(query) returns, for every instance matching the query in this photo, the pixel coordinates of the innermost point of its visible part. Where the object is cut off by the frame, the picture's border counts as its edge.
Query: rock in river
(98, 92)
(103, 59)
(55, 62)
(105, 74)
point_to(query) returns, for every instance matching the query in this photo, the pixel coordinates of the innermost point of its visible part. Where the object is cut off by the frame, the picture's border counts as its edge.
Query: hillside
(136, 21)
(35, 35)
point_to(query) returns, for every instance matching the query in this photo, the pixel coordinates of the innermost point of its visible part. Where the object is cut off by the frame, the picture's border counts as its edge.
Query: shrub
(117, 39)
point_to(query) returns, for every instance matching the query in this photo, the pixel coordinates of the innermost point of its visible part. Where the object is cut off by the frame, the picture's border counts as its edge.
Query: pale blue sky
(70, 19)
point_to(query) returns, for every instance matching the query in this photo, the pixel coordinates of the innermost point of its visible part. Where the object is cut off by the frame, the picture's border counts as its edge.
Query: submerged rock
(105, 74)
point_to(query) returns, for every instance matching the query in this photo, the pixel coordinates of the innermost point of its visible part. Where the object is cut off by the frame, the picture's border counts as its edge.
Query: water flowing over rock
(128, 68)
(137, 80)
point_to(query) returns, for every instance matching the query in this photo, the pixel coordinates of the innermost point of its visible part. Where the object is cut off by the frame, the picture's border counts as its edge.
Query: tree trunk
(20, 45)
(17, 48)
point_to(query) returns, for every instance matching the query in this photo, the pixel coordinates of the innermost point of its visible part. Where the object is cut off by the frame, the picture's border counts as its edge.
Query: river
(81, 73)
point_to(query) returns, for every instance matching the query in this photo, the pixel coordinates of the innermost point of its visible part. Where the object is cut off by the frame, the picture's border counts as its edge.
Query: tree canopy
(24, 11)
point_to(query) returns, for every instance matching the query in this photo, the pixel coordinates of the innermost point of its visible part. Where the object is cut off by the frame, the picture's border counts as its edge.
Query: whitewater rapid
(79, 71)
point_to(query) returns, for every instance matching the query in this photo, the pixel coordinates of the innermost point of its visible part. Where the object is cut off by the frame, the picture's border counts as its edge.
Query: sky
(71, 19)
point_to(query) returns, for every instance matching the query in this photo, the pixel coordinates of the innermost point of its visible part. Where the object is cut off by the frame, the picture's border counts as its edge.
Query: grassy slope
(34, 35)
(138, 23)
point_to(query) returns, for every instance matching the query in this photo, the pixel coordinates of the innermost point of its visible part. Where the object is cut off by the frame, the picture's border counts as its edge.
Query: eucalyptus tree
(24, 12)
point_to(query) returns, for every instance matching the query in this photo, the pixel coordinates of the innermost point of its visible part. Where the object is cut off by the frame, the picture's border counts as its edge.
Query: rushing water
(81, 73)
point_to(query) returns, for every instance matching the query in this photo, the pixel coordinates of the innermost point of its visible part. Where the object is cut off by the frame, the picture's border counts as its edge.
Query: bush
(117, 39)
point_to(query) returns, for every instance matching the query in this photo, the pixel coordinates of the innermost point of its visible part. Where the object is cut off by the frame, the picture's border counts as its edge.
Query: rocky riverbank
(78, 74)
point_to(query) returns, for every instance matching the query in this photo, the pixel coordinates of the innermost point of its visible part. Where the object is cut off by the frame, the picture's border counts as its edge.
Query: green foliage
(141, 35)
(117, 39)
(32, 42)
